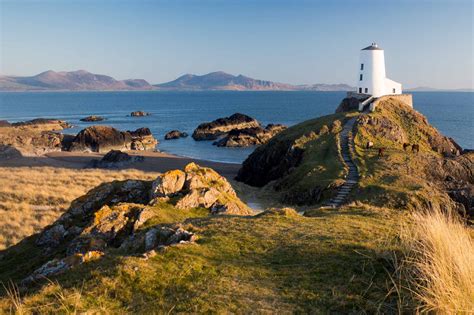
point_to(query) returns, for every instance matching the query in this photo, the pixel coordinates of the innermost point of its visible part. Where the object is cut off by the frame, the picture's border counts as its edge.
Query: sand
(153, 162)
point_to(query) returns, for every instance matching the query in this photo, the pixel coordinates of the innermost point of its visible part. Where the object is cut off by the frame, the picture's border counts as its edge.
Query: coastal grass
(333, 261)
(33, 197)
(437, 263)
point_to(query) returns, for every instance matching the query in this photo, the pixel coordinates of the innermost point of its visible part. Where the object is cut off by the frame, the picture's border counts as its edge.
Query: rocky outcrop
(116, 159)
(276, 159)
(45, 124)
(398, 123)
(92, 118)
(198, 187)
(220, 127)
(33, 137)
(348, 104)
(175, 134)
(139, 113)
(106, 138)
(249, 136)
(120, 218)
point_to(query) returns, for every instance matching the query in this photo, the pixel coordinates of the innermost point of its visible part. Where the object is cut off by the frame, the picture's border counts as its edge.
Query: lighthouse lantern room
(372, 80)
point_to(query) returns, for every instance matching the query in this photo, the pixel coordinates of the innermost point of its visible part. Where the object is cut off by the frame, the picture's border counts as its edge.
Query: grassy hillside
(333, 261)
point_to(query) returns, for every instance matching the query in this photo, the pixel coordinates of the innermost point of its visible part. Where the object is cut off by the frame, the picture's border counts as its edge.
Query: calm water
(452, 113)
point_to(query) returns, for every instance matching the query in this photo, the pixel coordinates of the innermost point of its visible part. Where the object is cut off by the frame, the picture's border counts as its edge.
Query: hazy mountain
(85, 81)
(224, 81)
(429, 89)
(70, 81)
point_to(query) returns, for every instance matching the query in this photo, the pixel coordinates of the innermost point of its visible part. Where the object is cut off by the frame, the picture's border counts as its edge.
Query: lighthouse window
(360, 90)
(361, 66)
(366, 90)
(393, 91)
(360, 78)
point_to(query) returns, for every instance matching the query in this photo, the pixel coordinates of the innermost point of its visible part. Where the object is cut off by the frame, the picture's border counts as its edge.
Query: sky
(426, 43)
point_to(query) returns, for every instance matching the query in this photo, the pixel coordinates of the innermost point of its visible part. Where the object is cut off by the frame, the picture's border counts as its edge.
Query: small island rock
(220, 127)
(250, 136)
(92, 118)
(175, 134)
(139, 113)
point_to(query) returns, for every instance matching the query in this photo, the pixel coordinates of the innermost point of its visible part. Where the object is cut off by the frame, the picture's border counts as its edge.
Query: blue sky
(427, 43)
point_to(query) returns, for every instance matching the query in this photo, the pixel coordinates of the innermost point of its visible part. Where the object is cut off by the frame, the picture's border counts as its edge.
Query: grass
(330, 262)
(33, 197)
(438, 263)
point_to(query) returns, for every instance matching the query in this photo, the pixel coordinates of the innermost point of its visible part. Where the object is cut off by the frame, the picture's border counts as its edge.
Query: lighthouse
(371, 79)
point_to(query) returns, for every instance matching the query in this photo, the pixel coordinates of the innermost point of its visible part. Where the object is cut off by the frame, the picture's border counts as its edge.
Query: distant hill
(430, 89)
(85, 81)
(70, 81)
(224, 81)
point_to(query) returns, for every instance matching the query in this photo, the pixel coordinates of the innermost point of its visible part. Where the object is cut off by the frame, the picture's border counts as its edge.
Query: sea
(451, 112)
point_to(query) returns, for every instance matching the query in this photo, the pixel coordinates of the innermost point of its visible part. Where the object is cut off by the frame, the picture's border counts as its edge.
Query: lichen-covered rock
(219, 127)
(52, 236)
(57, 266)
(168, 184)
(198, 187)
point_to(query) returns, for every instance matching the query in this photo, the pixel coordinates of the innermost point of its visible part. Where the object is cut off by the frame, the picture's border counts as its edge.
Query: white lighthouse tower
(371, 79)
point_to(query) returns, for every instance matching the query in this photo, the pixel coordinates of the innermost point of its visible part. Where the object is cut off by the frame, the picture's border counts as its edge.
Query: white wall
(374, 81)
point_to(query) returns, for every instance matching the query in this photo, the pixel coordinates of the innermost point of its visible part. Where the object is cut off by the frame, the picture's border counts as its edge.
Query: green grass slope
(330, 262)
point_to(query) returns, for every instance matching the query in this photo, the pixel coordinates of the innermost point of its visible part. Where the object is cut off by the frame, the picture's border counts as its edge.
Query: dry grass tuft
(33, 197)
(439, 263)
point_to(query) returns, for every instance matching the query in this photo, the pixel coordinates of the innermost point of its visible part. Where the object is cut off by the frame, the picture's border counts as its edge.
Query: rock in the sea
(116, 159)
(142, 140)
(139, 113)
(106, 138)
(92, 118)
(249, 136)
(175, 134)
(220, 127)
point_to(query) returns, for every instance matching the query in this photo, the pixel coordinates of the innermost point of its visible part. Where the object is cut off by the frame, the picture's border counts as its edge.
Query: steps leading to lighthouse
(352, 177)
(365, 104)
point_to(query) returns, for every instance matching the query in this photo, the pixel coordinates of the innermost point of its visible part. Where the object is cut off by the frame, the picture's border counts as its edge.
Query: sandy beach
(153, 162)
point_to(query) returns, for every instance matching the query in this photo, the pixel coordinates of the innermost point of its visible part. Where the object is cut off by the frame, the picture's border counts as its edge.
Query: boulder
(116, 159)
(9, 152)
(105, 138)
(175, 134)
(198, 186)
(92, 118)
(168, 184)
(249, 136)
(219, 127)
(139, 113)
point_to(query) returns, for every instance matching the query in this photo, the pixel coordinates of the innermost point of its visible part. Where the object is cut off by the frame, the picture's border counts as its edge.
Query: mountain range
(85, 81)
